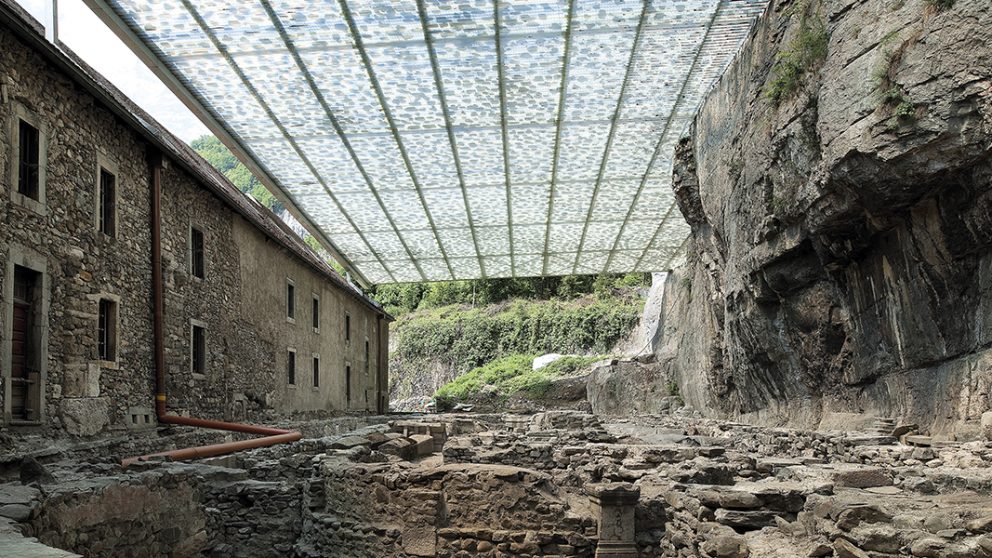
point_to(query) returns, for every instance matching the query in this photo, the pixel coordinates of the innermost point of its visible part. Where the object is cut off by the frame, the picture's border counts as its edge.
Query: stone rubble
(491, 485)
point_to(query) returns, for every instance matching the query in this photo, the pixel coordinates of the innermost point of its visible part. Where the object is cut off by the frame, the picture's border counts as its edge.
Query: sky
(91, 39)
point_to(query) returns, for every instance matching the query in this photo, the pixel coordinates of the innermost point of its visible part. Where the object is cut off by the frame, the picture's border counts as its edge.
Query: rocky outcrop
(841, 212)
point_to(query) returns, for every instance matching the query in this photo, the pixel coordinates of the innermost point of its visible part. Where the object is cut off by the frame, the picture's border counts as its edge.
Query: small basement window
(290, 300)
(196, 258)
(107, 330)
(315, 310)
(108, 203)
(291, 367)
(29, 163)
(316, 371)
(198, 354)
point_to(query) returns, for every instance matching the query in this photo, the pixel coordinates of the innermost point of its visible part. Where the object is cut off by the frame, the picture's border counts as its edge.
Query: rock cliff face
(840, 200)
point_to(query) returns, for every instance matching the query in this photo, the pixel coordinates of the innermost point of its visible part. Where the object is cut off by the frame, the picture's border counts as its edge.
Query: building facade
(255, 324)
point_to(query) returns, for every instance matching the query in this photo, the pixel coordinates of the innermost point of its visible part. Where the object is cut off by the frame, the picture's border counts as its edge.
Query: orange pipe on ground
(212, 450)
(272, 437)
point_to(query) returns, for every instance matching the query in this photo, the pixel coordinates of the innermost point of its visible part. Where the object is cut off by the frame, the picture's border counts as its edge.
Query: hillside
(432, 346)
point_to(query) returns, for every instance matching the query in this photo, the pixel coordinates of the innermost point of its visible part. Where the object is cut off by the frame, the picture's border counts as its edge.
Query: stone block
(745, 519)
(987, 425)
(844, 549)
(81, 381)
(401, 447)
(349, 442)
(862, 477)
(423, 444)
(420, 541)
(84, 416)
(726, 546)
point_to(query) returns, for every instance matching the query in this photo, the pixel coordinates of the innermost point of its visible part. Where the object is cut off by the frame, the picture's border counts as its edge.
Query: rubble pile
(554, 484)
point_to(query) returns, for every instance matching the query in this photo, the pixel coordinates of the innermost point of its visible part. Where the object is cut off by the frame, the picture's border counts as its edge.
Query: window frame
(194, 326)
(193, 231)
(108, 342)
(21, 113)
(315, 312)
(290, 300)
(347, 384)
(315, 371)
(291, 367)
(104, 167)
(368, 356)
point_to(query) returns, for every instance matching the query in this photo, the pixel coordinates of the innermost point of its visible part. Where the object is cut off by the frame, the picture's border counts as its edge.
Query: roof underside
(432, 140)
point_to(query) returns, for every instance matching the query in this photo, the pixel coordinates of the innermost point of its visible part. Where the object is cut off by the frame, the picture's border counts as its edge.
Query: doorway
(25, 356)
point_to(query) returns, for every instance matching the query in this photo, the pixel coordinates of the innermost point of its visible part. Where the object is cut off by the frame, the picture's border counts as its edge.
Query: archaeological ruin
(808, 181)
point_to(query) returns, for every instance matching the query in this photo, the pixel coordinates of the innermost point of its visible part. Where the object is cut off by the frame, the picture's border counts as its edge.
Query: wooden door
(20, 355)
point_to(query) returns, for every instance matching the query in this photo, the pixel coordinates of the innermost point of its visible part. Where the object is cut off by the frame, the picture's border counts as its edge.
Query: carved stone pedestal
(616, 503)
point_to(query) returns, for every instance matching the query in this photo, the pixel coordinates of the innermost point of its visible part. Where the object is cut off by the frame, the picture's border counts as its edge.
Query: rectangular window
(366, 356)
(347, 327)
(316, 371)
(108, 203)
(107, 330)
(316, 313)
(290, 300)
(291, 367)
(28, 175)
(196, 253)
(347, 383)
(198, 355)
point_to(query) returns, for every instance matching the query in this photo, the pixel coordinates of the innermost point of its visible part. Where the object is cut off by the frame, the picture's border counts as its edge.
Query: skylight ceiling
(437, 140)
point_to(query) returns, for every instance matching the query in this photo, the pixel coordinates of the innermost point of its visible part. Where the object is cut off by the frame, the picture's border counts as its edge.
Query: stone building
(255, 324)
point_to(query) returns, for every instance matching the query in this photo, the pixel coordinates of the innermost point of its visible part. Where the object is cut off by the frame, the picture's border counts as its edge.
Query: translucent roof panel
(429, 140)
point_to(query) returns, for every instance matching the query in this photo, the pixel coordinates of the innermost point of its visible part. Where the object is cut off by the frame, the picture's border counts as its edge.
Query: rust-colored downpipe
(272, 436)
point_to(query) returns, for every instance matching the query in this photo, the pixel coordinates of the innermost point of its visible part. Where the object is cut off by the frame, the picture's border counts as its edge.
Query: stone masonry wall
(242, 305)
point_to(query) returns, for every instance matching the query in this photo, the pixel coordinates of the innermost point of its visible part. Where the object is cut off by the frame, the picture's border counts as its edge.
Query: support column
(616, 503)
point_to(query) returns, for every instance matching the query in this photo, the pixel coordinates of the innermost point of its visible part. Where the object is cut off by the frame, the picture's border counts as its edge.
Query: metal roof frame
(427, 137)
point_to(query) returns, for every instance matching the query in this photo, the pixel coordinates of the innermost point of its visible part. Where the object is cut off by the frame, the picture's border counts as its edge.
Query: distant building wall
(240, 302)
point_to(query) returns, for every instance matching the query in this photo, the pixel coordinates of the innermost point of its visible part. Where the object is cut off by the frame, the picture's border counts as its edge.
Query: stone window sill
(36, 206)
(110, 364)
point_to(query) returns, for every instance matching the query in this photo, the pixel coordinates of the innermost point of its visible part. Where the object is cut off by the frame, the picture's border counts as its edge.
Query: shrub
(806, 51)
(941, 5)
(508, 375)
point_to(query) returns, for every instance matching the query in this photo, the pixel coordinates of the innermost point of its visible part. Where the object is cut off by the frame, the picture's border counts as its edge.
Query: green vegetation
(465, 338)
(218, 155)
(402, 299)
(509, 375)
(673, 390)
(893, 97)
(221, 158)
(941, 5)
(806, 51)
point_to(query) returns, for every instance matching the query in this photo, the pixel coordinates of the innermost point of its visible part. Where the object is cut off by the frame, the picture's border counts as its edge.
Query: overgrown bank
(431, 347)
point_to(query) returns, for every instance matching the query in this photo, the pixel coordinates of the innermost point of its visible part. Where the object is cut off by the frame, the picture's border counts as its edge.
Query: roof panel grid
(431, 140)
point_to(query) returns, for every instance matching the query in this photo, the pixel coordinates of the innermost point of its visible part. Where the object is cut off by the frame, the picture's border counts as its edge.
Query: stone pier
(616, 503)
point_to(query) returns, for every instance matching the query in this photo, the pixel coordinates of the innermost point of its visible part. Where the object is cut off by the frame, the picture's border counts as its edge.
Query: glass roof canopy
(432, 140)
